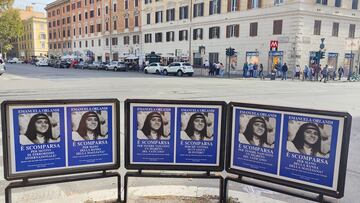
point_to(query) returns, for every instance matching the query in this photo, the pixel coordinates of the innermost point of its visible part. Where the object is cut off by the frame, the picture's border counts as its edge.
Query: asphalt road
(29, 82)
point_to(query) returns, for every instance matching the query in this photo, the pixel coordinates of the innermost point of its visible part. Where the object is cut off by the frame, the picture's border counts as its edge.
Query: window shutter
(194, 34)
(249, 5)
(228, 31)
(229, 5)
(202, 9)
(211, 7)
(219, 7)
(260, 3)
(237, 30)
(238, 5)
(210, 30)
(201, 33)
(195, 10)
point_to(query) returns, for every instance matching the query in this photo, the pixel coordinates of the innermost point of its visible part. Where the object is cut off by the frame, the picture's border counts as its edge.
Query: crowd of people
(215, 68)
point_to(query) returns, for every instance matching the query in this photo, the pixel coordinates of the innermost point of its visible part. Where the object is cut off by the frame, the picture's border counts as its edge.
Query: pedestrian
(284, 70)
(251, 70)
(245, 69)
(222, 69)
(340, 72)
(261, 71)
(255, 67)
(297, 72)
(217, 68)
(324, 74)
(317, 71)
(306, 72)
(210, 69)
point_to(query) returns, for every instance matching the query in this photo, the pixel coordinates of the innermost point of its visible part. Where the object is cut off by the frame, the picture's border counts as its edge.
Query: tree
(5, 4)
(11, 28)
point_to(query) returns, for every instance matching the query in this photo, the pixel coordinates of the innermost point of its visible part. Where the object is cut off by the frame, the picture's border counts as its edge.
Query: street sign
(174, 135)
(56, 137)
(274, 45)
(273, 144)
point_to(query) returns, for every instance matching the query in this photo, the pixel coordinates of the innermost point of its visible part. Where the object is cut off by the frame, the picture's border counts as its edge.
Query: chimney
(29, 8)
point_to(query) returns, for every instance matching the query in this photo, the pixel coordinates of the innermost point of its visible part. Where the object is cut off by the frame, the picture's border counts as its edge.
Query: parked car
(51, 62)
(42, 62)
(179, 69)
(117, 65)
(154, 68)
(15, 60)
(65, 64)
(94, 65)
(80, 65)
(103, 65)
(2, 66)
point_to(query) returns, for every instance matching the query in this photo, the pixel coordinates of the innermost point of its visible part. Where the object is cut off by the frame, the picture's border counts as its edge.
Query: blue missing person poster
(309, 149)
(39, 138)
(256, 140)
(90, 135)
(153, 134)
(197, 135)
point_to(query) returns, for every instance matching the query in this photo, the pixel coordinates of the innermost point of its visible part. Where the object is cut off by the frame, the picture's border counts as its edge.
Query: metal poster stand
(206, 175)
(25, 183)
(316, 197)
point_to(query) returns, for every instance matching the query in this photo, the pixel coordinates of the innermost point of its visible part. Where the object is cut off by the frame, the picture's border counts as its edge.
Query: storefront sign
(181, 135)
(45, 138)
(300, 148)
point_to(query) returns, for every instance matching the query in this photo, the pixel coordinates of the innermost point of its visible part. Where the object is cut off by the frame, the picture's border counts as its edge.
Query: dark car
(65, 64)
(51, 62)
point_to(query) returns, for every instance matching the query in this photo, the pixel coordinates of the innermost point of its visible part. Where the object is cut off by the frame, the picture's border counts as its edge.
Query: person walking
(317, 71)
(297, 72)
(255, 67)
(251, 70)
(306, 72)
(261, 71)
(340, 72)
(284, 70)
(245, 69)
(324, 73)
(222, 69)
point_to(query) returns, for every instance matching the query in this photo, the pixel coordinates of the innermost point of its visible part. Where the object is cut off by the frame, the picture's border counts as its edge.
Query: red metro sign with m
(274, 45)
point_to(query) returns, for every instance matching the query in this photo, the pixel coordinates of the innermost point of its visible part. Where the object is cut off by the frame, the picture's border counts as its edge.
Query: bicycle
(354, 77)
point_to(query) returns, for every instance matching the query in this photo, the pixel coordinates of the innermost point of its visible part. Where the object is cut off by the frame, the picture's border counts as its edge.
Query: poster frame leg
(161, 175)
(319, 198)
(62, 179)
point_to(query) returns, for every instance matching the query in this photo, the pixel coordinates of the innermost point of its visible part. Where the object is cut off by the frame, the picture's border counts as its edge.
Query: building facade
(202, 30)
(34, 41)
(92, 29)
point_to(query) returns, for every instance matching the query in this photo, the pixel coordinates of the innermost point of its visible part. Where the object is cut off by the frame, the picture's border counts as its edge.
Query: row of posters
(298, 147)
(166, 134)
(48, 137)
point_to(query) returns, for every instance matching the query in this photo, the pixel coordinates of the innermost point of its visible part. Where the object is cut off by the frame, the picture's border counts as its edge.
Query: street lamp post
(190, 29)
(351, 60)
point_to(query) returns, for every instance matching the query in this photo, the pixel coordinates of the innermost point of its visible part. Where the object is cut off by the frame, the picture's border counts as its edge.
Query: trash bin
(273, 75)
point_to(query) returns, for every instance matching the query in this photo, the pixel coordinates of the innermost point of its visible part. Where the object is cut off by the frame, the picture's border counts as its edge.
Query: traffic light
(322, 55)
(230, 51)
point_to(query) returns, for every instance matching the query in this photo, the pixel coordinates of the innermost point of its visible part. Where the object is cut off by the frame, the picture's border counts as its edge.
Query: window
(79, 4)
(198, 10)
(323, 2)
(107, 26)
(136, 3)
(136, 21)
(98, 27)
(86, 15)
(73, 6)
(214, 32)
(183, 35)
(107, 41)
(86, 43)
(148, 38)
(126, 40)
(136, 39)
(198, 34)
(74, 31)
(148, 18)
(79, 30)
(335, 30)
(232, 31)
(126, 22)
(115, 25)
(184, 12)
(49, 25)
(352, 31)
(317, 27)
(99, 42)
(170, 36)
(68, 19)
(126, 4)
(278, 2)
(114, 7)
(86, 29)
(254, 4)
(277, 27)
(68, 8)
(80, 17)
(91, 29)
(98, 13)
(170, 14)
(80, 44)
(50, 35)
(92, 43)
(354, 4)
(337, 3)
(253, 29)
(233, 5)
(158, 37)
(158, 17)
(92, 14)
(107, 10)
(74, 18)
(114, 41)
(215, 7)
(74, 44)
(147, 1)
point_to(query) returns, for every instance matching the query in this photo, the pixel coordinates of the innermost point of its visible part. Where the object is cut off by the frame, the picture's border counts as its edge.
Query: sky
(39, 4)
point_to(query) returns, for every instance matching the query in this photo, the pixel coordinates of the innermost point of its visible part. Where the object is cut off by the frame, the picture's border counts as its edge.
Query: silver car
(116, 65)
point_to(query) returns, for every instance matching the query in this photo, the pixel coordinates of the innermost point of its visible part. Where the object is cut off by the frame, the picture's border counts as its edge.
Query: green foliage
(5, 4)
(11, 27)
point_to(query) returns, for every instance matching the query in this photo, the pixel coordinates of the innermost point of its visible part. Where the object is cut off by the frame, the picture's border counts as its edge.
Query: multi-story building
(34, 41)
(102, 30)
(202, 30)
